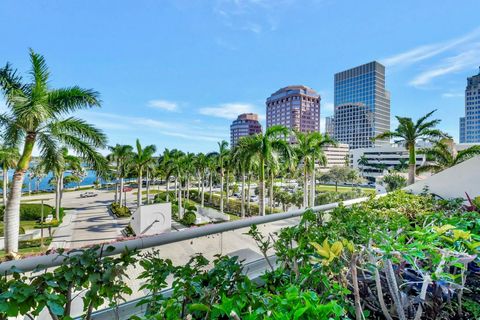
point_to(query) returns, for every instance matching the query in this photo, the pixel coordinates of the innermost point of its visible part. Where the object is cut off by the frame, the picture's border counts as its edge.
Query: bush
(128, 231)
(189, 218)
(120, 211)
(394, 181)
(34, 243)
(31, 211)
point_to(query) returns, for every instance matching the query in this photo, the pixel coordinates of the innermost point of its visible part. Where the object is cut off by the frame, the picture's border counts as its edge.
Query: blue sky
(175, 73)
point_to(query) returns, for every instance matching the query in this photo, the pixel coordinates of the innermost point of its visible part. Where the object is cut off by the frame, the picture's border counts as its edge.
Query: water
(88, 180)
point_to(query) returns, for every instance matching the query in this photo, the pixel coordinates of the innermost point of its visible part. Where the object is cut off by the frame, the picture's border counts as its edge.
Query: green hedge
(33, 243)
(31, 211)
(120, 211)
(189, 218)
(234, 205)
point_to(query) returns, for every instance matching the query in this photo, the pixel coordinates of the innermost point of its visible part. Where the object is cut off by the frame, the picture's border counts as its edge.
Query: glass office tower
(470, 124)
(362, 105)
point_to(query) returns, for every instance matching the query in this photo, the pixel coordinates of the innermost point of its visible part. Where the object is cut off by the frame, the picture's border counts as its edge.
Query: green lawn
(26, 225)
(321, 188)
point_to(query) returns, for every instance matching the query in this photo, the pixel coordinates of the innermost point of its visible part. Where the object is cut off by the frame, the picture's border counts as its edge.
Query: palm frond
(39, 74)
(467, 154)
(79, 128)
(66, 100)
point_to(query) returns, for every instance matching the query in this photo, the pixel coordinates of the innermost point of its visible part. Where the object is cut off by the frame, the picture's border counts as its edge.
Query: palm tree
(38, 174)
(264, 148)
(201, 162)
(188, 169)
(119, 156)
(140, 159)
(309, 149)
(221, 155)
(163, 166)
(363, 162)
(410, 132)
(8, 159)
(442, 156)
(212, 167)
(240, 161)
(319, 143)
(37, 117)
(62, 163)
(402, 165)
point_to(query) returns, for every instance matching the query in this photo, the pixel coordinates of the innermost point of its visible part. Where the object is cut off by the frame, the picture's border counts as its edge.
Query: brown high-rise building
(295, 107)
(245, 125)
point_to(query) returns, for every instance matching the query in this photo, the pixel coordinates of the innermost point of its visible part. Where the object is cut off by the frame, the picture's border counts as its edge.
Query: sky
(176, 73)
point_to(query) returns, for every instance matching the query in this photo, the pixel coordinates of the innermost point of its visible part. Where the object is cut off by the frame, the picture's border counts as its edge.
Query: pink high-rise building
(295, 107)
(245, 125)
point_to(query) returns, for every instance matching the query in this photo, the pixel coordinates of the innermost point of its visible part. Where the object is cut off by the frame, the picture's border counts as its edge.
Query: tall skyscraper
(470, 124)
(329, 126)
(246, 124)
(295, 107)
(362, 105)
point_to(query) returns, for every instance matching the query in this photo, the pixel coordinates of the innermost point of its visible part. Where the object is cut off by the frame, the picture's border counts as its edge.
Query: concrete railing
(56, 259)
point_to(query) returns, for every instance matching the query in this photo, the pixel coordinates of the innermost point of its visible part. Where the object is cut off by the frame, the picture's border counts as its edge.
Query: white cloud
(163, 105)
(459, 62)
(228, 110)
(105, 120)
(255, 16)
(152, 123)
(427, 51)
(453, 95)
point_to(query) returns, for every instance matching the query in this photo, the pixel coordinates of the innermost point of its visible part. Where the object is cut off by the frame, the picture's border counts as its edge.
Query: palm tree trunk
(139, 193)
(12, 210)
(180, 209)
(203, 190)
(188, 188)
(305, 187)
(116, 184)
(176, 188)
(228, 190)
(248, 192)
(58, 187)
(120, 191)
(411, 164)
(221, 190)
(271, 192)
(313, 185)
(148, 187)
(199, 177)
(261, 189)
(168, 189)
(243, 196)
(211, 185)
(5, 185)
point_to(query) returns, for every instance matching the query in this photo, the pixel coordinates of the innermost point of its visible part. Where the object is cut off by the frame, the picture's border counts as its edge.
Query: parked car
(127, 189)
(254, 198)
(88, 194)
(237, 195)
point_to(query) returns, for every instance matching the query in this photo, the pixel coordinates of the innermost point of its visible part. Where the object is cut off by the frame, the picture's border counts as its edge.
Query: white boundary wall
(453, 182)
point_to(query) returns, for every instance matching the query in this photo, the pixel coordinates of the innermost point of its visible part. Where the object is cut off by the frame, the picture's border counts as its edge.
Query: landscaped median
(401, 256)
(30, 216)
(119, 211)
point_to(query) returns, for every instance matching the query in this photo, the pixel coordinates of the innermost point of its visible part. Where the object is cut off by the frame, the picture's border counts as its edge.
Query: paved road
(87, 220)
